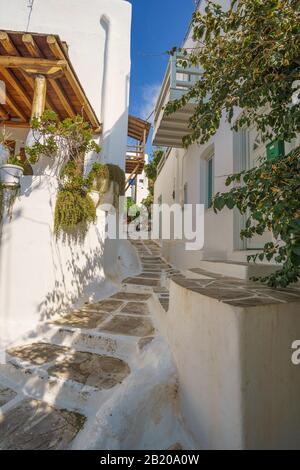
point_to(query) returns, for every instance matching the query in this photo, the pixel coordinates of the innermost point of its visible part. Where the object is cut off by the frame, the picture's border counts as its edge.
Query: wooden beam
(34, 65)
(11, 50)
(14, 83)
(72, 79)
(61, 95)
(31, 45)
(15, 108)
(18, 124)
(3, 113)
(7, 44)
(39, 98)
(35, 51)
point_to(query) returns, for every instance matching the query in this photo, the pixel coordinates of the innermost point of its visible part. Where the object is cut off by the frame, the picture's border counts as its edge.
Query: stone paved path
(47, 385)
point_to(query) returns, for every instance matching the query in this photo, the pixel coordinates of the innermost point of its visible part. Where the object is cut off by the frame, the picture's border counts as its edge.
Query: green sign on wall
(275, 149)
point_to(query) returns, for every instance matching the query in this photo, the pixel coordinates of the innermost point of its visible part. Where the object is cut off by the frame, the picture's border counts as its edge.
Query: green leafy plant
(249, 57)
(269, 195)
(74, 211)
(151, 173)
(16, 160)
(70, 140)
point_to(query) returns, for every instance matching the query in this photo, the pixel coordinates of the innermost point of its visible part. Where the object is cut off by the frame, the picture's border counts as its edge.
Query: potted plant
(11, 168)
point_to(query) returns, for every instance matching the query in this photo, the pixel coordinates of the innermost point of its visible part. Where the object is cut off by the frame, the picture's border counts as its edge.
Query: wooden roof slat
(7, 44)
(70, 75)
(15, 108)
(24, 55)
(3, 113)
(10, 79)
(35, 51)
(138, 129)
(10, 49)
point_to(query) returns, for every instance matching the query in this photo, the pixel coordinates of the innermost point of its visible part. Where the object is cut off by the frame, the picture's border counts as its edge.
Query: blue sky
(157, 26)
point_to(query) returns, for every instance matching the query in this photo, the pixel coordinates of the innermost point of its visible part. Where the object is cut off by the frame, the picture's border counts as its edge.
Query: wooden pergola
(38, 74)
(138, 129)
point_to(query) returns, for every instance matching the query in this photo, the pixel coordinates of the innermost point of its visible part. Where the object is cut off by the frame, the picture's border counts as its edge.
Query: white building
(138, 188)
(192, 176)
(87, 45)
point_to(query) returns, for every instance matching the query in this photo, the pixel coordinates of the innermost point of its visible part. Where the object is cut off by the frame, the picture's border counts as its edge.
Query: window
(210, 181)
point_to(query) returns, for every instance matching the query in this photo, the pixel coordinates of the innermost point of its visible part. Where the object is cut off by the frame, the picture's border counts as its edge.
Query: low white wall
(238, 388)
(40, 276)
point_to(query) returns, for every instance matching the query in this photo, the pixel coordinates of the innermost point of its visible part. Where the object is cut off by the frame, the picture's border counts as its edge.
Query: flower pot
(10, 175)
(95, 196)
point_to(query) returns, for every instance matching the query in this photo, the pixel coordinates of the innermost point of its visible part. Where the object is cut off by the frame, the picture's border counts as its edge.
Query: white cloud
(149, 98)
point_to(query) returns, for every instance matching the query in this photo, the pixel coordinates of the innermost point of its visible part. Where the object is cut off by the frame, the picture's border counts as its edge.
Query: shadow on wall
(41, 276)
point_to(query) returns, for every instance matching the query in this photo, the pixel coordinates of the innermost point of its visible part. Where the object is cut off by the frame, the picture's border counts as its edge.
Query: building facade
(194, 175)
(80, 51)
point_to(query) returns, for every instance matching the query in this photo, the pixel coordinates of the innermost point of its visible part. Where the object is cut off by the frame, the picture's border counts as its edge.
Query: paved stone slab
(131, 296)
(150, 275)
(35, 425)
(38, 353)
(136, 308)
(142, 282)
(102, 372)
(82, 319)
(6, 395)
(109, 305)
(129, 325)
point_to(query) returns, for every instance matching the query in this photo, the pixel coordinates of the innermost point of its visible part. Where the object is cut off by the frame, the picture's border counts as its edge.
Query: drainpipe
(106, 25)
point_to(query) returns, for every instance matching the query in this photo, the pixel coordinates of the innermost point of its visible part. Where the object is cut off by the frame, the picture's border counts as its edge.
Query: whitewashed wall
(189, 166)
(98, 36)
(41, 276)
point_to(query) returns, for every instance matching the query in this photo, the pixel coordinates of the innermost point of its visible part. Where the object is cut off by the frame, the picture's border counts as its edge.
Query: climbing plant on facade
(69, 141)
(250, 58)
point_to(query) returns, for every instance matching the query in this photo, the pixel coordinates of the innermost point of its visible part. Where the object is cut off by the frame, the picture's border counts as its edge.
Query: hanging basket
(10, 175)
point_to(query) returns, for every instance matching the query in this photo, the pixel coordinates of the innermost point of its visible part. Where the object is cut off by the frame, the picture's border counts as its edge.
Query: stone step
(91, 340)
(35, 425)
(57, 373)
(240, 270)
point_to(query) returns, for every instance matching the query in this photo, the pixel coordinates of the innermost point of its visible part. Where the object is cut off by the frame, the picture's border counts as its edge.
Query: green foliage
(269, 195)
(250, 59)
(74, 212)
(148, 201)
(16, 160)
(71, 138)
(151, 173)
(132, 209)
(151, 167)
(68, 140)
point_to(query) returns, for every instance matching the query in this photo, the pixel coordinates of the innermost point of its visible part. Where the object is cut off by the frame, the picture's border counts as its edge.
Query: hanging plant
(74, 212)
(70, 140)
